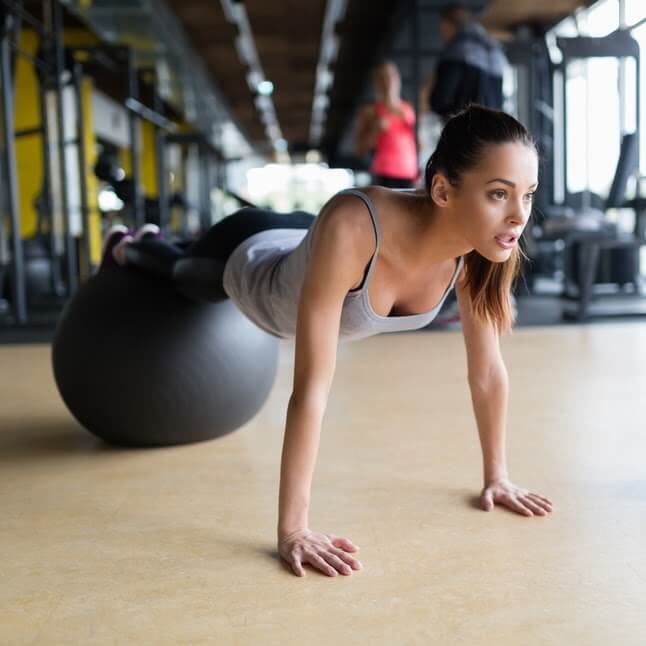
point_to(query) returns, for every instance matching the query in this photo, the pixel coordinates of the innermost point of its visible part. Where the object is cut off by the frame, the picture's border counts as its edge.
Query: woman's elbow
(312, 398)
(483, 379)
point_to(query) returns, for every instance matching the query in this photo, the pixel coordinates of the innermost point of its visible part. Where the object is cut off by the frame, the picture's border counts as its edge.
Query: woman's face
(494, 201)
(387, 80)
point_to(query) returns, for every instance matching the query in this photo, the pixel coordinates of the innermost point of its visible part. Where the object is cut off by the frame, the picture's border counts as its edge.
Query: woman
(381, 260)
(387, 127)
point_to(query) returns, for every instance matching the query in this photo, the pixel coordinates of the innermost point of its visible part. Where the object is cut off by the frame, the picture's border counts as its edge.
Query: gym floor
(177, 545)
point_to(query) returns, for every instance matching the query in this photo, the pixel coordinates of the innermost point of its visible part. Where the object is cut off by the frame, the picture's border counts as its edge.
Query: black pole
(83, 169)
(47, 204)
(415, 26)
(19, 300)
(205, 185)
(4, 245)
(160, 161)
(135, 147)
(17, 10)
(5, 258)
(70, 243)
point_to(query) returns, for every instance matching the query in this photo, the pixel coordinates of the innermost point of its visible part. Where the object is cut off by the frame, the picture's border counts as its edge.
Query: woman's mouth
(506, 242)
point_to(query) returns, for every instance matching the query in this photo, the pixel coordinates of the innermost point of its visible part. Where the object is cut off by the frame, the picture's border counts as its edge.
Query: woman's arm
(488, 383)
(424, 94)
(369, 125)
(340, 251)
(489, 386)
(490, 408)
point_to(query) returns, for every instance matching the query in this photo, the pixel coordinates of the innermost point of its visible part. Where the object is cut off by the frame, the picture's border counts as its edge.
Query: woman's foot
(119, 250)
(148, 230)
(113, 238)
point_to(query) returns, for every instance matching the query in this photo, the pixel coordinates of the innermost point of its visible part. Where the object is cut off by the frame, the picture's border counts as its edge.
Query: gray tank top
(264, 276)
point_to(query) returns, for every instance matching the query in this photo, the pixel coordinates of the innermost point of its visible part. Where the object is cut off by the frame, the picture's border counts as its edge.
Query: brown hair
(465, 138)
(456, 14)
(383, 63)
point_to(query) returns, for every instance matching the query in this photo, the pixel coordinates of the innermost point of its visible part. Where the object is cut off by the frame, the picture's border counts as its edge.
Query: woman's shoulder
(343, 236)
(347, 210)
(346, 218)
(384, 213)
(388, 200)
(357, 203)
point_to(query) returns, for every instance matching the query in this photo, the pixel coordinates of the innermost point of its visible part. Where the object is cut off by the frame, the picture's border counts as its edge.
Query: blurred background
(179, 113)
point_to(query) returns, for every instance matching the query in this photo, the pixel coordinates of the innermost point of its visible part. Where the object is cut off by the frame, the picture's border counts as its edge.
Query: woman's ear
(440, 190)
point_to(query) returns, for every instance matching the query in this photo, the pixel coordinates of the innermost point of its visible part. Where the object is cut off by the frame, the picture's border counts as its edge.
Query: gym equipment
(597, 263)
(596, 251)
(35, 56)
(138, 364)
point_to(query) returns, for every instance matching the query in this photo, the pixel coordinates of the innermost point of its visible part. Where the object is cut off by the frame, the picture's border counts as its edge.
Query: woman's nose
(520, 214)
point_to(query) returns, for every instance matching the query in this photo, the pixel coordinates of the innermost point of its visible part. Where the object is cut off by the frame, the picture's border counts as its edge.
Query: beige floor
(176, 545)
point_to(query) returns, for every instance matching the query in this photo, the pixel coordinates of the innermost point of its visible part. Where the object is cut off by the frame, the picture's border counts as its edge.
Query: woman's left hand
(520, 500)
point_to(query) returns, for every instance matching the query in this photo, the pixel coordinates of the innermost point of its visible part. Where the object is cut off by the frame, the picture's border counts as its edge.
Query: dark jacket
(469, 70)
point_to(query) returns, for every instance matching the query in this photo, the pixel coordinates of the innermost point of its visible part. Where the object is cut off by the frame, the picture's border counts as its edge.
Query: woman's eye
(499, 195)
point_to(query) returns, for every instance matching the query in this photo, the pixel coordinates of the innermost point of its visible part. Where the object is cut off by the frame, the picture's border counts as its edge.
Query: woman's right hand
(325, 552)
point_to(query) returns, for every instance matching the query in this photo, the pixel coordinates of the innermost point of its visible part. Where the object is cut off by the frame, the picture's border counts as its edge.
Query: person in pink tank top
(388, 127)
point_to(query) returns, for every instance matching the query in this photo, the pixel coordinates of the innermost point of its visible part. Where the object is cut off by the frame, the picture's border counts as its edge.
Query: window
(639, 35)
(596, 113)
(635, 11)
(592, 124)
(601, 19)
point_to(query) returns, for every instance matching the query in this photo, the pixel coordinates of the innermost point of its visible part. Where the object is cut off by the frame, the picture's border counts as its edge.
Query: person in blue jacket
(470, 68)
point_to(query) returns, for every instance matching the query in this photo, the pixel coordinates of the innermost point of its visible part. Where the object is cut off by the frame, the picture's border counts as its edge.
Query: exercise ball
(138, 364)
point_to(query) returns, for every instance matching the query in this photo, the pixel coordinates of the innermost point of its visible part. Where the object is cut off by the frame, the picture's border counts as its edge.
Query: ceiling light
(266, 88)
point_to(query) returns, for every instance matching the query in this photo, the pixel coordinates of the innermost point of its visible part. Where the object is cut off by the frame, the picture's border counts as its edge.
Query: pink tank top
(395, 151)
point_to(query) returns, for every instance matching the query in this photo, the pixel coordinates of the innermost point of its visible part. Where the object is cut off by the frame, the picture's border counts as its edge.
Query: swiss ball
(138, 364)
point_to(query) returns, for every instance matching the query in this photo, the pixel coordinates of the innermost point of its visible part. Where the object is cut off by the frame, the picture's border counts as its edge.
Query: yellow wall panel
(89, 147)
(29, 149)
(149, 160)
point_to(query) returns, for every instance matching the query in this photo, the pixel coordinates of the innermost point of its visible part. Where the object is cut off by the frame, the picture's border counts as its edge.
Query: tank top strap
(459, 265)
(375, 223)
